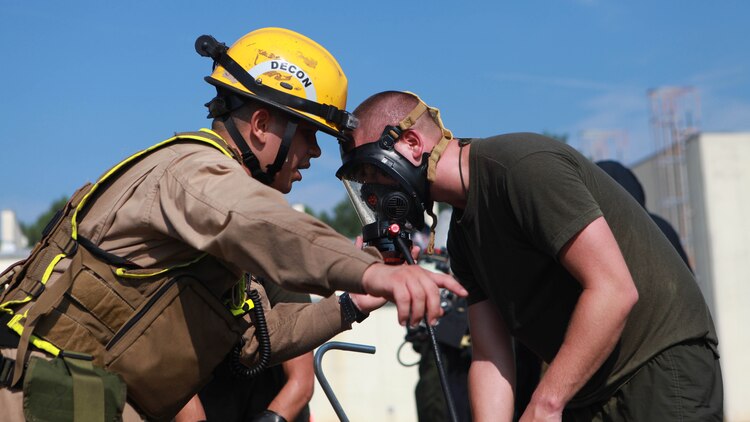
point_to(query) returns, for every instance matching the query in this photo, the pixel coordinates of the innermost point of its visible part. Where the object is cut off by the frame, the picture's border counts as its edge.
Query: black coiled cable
(264, 343)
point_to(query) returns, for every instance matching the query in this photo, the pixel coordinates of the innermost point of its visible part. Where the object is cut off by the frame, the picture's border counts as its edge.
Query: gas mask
(389, 193)
(389, 211)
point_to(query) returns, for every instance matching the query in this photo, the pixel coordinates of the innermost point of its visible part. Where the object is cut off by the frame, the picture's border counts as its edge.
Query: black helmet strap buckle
(389, 137)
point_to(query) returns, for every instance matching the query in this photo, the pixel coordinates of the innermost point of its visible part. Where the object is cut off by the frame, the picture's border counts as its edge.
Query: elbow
(629, 298)
(308, 393)
(304, 387)
(307, 387)
(633, 295)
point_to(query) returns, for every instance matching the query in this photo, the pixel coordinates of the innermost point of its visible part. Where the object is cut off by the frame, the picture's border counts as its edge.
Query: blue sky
(85, 83)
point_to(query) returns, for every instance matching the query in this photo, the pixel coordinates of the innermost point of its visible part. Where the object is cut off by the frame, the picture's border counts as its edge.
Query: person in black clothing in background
(630, 182)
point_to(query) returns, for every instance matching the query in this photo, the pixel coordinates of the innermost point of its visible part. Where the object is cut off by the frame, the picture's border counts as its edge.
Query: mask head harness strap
(391, 134)
(434, 156)
(227, 101)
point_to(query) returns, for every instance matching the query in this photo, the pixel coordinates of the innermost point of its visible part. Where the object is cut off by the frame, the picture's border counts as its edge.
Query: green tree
(343, 219)
(33, 231)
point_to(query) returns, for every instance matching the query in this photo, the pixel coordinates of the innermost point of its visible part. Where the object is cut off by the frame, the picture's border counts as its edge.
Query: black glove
(268, 416)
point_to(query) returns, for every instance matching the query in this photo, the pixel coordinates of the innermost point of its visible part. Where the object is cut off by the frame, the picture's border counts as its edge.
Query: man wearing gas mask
(554, 254)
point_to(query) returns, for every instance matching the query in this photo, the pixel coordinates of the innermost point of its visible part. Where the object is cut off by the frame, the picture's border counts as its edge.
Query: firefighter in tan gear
(137, 289)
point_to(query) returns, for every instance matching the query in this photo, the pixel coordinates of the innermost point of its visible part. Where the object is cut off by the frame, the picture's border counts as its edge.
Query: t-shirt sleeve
(550, 200)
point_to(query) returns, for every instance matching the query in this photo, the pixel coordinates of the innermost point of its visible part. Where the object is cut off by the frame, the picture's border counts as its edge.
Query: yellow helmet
(283, 69)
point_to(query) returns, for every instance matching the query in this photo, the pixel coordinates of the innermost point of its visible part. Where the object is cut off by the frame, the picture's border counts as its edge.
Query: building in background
(13, 244)
(714, 196)
(700, 183)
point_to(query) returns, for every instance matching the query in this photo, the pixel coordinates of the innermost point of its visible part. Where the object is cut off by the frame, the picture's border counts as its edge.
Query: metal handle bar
(318, 367)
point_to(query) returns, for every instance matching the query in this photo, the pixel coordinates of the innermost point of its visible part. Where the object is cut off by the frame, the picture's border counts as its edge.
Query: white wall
(12, 241)
(725, 250)
(719, 180)
(370, 387)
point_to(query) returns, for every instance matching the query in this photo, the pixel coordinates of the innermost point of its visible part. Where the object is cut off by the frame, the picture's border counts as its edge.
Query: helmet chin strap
(250, 160)
(434, 156)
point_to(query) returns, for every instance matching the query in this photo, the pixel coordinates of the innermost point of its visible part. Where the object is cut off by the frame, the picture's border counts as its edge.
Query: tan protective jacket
(170, 207)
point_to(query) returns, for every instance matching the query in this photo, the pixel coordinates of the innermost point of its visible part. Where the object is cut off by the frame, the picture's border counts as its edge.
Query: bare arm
(298, 389)
(594, 259)
(192, 412)
(492, 373)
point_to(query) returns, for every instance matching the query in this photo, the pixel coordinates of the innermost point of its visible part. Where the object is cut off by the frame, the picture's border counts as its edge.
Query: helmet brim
(249, 95)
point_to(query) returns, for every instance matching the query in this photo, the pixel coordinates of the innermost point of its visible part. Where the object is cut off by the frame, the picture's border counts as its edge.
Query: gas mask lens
(383, 208)
(375, 196)
(365, 212)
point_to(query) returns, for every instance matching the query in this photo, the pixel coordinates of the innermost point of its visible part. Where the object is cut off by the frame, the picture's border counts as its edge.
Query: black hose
(239, 370)
(433, 341)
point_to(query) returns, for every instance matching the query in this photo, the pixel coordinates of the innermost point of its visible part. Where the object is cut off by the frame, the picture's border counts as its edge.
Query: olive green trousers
(682, 383)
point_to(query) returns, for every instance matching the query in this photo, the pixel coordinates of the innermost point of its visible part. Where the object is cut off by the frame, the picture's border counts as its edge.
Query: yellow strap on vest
(223, 148)
(20, 326)
(145, 273)
(16, 324)
(210, 138)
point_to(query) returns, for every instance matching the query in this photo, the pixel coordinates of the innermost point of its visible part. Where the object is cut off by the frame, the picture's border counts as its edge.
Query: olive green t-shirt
(528, 196)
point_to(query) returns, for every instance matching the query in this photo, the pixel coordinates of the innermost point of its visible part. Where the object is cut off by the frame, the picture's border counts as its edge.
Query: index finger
(450, 283)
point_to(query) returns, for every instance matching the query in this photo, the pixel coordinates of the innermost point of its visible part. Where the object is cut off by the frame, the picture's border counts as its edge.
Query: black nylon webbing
(286, 142)
(8, 338)
(248, 158)
(7, 367)
(105, 256)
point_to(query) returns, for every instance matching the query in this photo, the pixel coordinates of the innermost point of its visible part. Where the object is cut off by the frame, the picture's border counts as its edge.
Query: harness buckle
(6, 371)
(70, 247)
(36, 290)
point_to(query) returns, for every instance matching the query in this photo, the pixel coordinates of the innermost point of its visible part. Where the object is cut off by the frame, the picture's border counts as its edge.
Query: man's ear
(413, 145)
(260, 123)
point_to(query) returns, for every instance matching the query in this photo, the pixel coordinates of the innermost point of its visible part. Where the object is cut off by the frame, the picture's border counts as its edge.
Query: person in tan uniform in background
(145, 261)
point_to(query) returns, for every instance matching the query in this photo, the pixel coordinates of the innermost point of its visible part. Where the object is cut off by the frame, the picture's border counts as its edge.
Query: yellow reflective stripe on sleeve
(39, 343)
(74, 220)
(124, 272)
